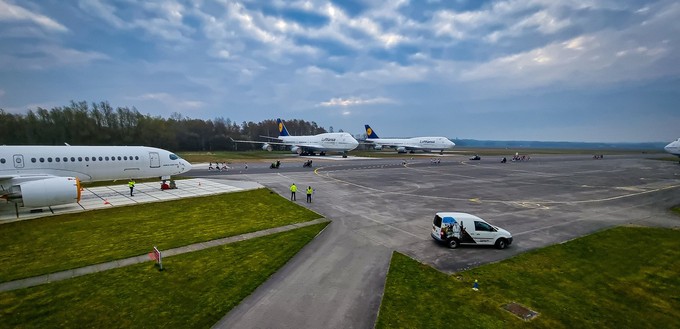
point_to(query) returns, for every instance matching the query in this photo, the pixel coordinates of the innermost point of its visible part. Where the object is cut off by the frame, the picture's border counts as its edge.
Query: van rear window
(437, 221)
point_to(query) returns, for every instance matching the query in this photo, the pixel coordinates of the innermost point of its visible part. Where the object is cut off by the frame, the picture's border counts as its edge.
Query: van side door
(484, 233)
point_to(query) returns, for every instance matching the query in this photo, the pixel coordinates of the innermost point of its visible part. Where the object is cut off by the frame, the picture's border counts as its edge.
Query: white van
(455, 228)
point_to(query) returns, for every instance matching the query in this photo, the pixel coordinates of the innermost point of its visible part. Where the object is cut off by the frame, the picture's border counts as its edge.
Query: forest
(80, 123)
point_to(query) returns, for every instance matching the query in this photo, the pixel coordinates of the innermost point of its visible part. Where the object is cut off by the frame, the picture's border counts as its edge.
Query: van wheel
(501, 244)
(453, 243)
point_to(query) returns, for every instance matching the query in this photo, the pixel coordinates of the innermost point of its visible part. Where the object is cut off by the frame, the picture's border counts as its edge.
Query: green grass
(676, 210)
(194, 291)
(50, 244)
(669, 158)
(626, 277)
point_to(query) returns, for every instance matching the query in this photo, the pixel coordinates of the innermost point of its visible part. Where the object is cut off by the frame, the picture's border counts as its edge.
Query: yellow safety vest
(131, 184)
(309, 190)
(293, 188)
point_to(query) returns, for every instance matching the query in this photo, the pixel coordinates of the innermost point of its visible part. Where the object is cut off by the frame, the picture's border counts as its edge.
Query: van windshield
(437, 221)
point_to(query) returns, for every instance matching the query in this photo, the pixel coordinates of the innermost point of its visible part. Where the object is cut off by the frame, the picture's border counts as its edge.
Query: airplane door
(18, 161)
(155, 160)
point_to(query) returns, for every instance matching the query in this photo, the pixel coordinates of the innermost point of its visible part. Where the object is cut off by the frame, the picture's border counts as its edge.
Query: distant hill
(654, 146)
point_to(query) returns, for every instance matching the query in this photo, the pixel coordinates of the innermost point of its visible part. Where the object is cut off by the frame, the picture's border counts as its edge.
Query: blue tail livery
(282, 129)
(370, 133)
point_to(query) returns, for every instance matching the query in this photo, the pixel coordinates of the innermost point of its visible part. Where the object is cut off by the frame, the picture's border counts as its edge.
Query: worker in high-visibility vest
(131, 185)
(293, 189)
(309, 194)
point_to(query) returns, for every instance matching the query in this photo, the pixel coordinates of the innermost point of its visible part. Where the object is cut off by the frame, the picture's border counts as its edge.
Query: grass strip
(194, 291)
(51, 244)
(625, 277)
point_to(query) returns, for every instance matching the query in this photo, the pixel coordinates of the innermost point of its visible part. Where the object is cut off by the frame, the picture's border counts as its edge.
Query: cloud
(170, 101)
(163, 19)
(43, 56)
(355, 101)
(638, 52)
(11, 12)
(2, 93)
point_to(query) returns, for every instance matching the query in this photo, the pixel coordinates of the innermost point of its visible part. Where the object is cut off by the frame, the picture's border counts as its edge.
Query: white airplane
(40, 176)
(404, 145)
(310, 144)
(673, 148)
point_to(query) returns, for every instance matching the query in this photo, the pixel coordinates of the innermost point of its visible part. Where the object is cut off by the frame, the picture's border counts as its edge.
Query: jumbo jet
(673, 148)
(411, 145)
(310, 144)
(40, 176)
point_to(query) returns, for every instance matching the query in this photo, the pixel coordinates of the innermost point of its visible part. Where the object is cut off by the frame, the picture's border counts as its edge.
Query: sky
(545, 70)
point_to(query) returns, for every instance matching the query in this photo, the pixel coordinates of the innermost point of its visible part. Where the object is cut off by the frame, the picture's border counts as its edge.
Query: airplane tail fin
(282, 128)
(370, 133)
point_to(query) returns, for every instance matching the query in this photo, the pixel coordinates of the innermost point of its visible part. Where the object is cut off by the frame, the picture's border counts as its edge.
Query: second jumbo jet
(403, 145)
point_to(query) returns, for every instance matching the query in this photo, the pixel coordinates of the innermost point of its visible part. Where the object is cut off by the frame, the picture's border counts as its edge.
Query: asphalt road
(379, 206)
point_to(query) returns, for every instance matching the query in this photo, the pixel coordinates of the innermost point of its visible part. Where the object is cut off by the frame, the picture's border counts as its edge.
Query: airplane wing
(258, 142)
(16, 179)
(311, 147)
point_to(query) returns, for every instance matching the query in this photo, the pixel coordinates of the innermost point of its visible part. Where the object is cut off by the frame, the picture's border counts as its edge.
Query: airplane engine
(267, 147)
(46, 192)
(401, 149)
(296, 149)
(378, 147)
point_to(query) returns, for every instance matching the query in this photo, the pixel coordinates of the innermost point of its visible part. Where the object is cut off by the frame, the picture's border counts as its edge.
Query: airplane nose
(186, 166)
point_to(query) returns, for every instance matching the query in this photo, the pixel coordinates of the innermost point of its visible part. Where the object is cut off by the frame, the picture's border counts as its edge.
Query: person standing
(309, 194)
(293, 189)
(131, 185)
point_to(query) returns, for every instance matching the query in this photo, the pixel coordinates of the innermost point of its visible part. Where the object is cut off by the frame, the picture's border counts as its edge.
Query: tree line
(80, 123)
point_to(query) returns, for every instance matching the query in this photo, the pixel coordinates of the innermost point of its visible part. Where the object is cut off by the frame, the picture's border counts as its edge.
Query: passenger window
(49, 159)
(57, 159)
(481, 226)
(42, 159)
(65, 159)
(136, 157)
(80, 159)
(32, 160)
(87, 158)
(73, 159)
(125, 158)
(3, 160)
(119, 158)
(106, 158)
(101, 159)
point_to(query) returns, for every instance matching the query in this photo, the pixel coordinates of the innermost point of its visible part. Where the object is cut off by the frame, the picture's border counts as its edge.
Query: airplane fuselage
(326, 142)
(415, 143)
(90, 163)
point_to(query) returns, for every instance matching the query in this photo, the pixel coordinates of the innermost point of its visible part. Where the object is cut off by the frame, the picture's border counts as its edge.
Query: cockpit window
(173, 157)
